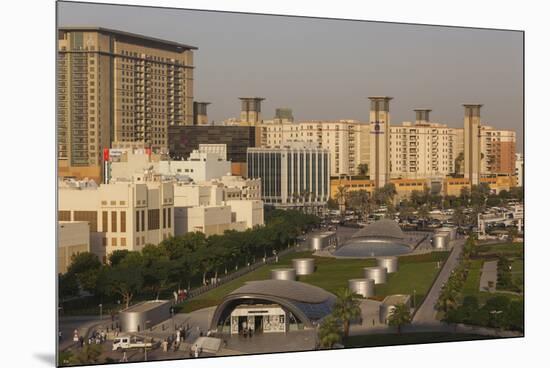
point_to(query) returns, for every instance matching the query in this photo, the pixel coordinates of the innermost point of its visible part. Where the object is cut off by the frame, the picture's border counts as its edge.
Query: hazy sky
(325, 69)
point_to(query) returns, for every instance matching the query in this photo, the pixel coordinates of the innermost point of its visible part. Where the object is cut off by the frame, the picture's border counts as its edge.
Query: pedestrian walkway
(488, 279)
(427, 312)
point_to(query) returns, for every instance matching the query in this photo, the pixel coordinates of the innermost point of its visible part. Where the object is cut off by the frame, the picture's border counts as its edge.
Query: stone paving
(488, 279)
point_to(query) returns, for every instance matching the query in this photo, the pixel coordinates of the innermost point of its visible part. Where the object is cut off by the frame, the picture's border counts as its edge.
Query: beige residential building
(423, 149)
(116, 86)
(72, 238)
(341, 137)
(122, 215)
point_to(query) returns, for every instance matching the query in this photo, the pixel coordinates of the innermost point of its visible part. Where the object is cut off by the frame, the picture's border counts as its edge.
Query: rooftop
(292, 290)
(384, 228)
(396, 299)
(127, 34)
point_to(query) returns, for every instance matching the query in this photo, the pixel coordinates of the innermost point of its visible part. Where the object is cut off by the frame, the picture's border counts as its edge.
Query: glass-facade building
(292, 176)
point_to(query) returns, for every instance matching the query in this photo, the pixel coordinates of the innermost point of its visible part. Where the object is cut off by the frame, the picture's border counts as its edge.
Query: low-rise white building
(121, 215)
(206, 164)
(72, 238)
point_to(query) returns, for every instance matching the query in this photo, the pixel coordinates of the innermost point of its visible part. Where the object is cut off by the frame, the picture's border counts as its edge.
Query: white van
(128, 342)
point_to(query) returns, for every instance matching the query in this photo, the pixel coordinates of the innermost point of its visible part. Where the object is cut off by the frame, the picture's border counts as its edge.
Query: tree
(330, 332)
(399, 316)
(67, 285)
(363, 169)
(358, 200)
(124, 279)
(117, 256)
(459, 163)
(347, 307)
(85, 266)
(82, 262)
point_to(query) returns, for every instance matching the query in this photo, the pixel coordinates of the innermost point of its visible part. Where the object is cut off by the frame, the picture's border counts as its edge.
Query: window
(64, 216)
(123, 222)
(113, 222)
(153, 218)
(90, 216)
(113, 242)
(137, 221)
(104, 242)
(164, 219)
(143, 220)
(104, 222)
(122, 242)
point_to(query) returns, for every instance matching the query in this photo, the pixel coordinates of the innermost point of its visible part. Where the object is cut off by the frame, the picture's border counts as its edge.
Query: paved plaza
(488, 279)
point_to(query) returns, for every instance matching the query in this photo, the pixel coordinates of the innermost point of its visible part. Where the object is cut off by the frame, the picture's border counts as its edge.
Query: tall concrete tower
(379, 142)
(200, 117)
(472, 144)
(422, 116)
(251, 110)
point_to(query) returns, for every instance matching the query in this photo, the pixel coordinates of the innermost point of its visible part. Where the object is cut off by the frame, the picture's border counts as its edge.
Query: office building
(251, 110)
(184, 139)
(294, 176)
(117, 87)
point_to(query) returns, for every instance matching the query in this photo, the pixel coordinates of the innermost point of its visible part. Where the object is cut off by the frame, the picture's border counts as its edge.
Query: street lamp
(414, 298)
(100, 312)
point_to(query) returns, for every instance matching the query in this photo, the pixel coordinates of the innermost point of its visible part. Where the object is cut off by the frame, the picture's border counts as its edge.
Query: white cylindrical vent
(378, 274)
(390, 263)
(363, 287)
(288, 274)
(304, 266)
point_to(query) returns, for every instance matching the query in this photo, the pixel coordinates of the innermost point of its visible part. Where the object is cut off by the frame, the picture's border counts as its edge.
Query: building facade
(116, 86)
(293, 176)
(122, 215)
(519, 170)
(73, 238)
(184, 139)
(498, 151)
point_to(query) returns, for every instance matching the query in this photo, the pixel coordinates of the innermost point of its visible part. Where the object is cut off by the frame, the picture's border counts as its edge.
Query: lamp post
(100, 311)
(414, 299)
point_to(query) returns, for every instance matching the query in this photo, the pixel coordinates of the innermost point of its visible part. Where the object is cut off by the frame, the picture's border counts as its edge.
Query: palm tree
(329, 332)
(400, 316)
(347, 307)
(341, 196)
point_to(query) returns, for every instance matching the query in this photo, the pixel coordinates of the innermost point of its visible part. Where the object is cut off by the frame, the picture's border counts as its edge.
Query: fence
(243, 271)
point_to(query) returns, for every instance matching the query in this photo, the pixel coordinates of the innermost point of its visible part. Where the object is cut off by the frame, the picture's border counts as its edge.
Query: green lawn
(517, 272)
(508, 249)
(331, 274)
(471, 285)
(410, 277)
(408, 338)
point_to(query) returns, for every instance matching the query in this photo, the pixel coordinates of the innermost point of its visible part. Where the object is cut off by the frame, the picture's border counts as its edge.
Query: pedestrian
(373, 322)
(60, 336)
(165, 345)
(81, 340)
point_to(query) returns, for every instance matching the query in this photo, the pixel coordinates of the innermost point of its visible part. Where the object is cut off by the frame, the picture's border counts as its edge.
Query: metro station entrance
(258, 319)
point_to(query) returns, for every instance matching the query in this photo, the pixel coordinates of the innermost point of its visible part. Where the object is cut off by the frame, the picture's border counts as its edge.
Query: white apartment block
(122, 215)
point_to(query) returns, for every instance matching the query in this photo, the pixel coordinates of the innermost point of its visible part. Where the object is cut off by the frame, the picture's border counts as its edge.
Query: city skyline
(289, 75)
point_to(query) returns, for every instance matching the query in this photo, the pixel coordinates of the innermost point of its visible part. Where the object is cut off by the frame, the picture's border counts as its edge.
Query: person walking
(81, 340)
(164, 345)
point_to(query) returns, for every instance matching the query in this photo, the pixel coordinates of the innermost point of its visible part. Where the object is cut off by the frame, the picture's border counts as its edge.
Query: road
(426, 313)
